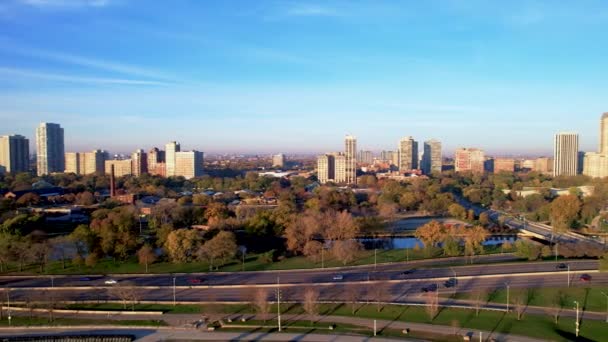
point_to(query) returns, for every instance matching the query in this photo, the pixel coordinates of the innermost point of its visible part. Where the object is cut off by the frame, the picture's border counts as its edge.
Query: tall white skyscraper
(408, 154)
(14, 153)
(350, 154)
(50, 148)
(596, 163)
(604, 134)
(566, 154)
(170, 150)
(432, 158)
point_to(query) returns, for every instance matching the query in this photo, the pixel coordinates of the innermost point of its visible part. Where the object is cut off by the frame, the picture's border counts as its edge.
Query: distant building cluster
(339, 167)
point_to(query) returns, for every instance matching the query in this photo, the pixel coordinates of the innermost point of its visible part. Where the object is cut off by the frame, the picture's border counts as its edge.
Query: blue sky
(296, 76)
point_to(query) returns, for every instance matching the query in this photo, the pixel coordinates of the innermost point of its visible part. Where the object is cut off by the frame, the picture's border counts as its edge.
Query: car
(195, 280)
(430, 288)
(451, 282)
(85, 279)
(110, 282)
(410, 271)
(585, 278)
(561, 266)
(338, 277)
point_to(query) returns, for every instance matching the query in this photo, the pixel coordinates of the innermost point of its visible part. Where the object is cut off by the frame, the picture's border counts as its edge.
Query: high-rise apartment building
(50, 149)
(604, 134)
(331, 167)
(170, 150)
(350, 154)
(278, 160)
(408, 154)
(366, 157)
(596, 164)
(432, 159)
(156, 162)
(85, 163)
(139, 159)
(390, 157)
(14, 154)
(189, 164)
(72, 162)
(326, 168)
(122, 167)
(565, 154)
(504, 165)
(469, 160)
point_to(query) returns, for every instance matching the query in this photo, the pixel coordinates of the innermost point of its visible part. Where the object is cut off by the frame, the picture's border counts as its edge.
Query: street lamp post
(508, 290)
(606, 295)
(279, 303)
(8, 302)
(568, 265)
(556, 254)
(174, 301)
(322, 256)
(577, 322)
(375, 258)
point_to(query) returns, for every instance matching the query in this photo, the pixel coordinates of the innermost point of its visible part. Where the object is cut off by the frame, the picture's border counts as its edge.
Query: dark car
(585, 278)
(430, 288)
(195, 280)
(85, 279)
(410, 271)
(451, 282)
(561, 266)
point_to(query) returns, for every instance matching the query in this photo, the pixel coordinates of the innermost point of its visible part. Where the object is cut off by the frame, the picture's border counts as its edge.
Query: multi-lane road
(239, 286)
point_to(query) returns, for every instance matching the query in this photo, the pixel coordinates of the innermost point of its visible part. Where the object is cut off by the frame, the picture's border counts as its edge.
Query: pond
(410, 242)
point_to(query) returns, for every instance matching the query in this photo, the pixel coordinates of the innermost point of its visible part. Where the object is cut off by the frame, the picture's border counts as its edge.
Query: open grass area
(590, 298)
(252, 263)
(538, 326)
(44, 321)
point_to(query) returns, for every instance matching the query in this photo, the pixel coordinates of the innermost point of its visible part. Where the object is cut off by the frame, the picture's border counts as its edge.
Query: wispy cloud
(29, 74)
(55, 4)
(311, 10)
(94, 63)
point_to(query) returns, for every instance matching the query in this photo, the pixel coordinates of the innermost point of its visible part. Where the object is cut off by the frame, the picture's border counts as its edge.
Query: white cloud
(65, 3)
(24, 73)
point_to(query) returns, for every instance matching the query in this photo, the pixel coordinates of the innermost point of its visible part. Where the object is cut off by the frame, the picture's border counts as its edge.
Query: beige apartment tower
(350, 156)
(14, 154)
(121, 167)
(170, 150)
(596, 164)
(189, 164)
(331, 167)
(408, 154)
(139, 159)
(565, 154)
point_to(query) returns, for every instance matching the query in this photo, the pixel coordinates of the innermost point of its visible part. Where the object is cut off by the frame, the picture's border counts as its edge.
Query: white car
(110, 282)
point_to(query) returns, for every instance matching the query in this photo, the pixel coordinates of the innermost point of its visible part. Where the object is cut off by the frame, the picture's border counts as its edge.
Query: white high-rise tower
(566, 154)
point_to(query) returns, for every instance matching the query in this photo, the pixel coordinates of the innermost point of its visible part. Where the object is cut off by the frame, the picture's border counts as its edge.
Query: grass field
(590, 298)
(538, 326)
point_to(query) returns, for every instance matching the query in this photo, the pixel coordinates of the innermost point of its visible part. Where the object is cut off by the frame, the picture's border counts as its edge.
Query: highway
(239, 287)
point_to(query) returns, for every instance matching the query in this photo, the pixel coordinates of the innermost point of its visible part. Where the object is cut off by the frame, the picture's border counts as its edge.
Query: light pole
(576, 323)
(8, 302)
(606, 295)
(279, 303)
(508, 288)
(568, 265)
(375, 258)
(174, 291)
(556, 244)
(52, 282)
(322, 256)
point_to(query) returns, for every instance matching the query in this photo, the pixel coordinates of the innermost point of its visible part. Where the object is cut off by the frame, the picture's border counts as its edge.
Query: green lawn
(538, 326)
(252, 263)
(590, 298)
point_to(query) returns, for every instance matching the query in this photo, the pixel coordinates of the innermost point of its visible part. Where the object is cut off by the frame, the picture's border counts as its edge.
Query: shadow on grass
(572, 337)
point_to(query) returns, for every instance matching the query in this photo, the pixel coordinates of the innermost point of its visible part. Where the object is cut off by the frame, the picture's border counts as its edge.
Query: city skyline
(338, 67)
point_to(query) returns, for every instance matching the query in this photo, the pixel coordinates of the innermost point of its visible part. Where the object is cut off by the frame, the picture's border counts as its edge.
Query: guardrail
(83, 312)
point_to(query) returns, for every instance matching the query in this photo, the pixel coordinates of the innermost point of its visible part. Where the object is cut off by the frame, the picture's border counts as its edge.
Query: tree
(484, 219)
(564, 210)
(431, 233)
(346, 251)
(84, 240)
(432, 304)
(59, 248)
(474, 238)
(85, 198)
(260, 303)
(451, 247)
(181, 245)
(342, 226)
(221, 247)
(91, 259)
(520, 306)
(127, 292)
(313, 250)
(528, 250)
(146, 256)
(311, 303)
(480, 296)
(379, 292)
(457, 211)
